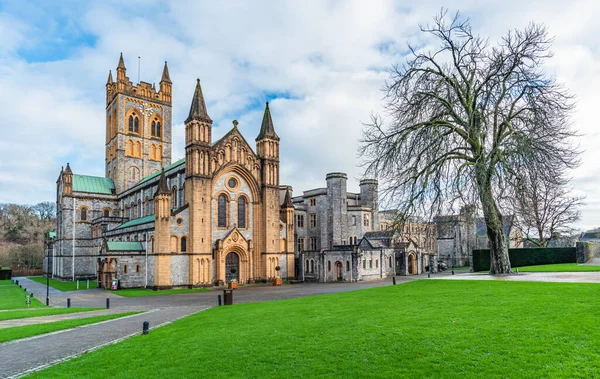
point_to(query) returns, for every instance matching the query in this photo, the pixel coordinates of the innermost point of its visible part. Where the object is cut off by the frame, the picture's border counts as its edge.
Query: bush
(5, 273)
(527, 257)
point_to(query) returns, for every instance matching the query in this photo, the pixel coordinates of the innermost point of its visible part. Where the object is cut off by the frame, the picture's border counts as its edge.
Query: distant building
(343, 236)
(458, 235)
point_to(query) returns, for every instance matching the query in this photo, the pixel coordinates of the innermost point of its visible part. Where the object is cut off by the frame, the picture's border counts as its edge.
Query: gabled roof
(136, 221)
(233, 130)
(157, 173)
(124, 246)
(93, 184)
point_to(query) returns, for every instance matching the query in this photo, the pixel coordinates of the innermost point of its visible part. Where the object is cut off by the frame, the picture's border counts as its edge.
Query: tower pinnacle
(267, 130)
(198, 107)
(165, 74)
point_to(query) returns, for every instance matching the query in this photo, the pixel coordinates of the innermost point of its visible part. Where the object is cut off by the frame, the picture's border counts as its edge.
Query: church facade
(217, 215)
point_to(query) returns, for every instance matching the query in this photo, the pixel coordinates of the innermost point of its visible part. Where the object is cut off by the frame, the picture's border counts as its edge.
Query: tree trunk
(499, 260)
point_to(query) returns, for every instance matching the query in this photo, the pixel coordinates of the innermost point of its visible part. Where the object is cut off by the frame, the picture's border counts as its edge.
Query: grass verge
(139, 292)
(18, 332)
(26, 313)
(13, 297)
(427, 328)
(64, 286)
(559, 267)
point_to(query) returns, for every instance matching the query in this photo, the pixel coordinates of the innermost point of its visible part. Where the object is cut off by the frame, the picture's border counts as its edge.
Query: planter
(232, 285)
(277, 282)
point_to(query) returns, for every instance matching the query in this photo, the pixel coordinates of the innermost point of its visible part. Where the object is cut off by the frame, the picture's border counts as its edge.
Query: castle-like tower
(138, 127)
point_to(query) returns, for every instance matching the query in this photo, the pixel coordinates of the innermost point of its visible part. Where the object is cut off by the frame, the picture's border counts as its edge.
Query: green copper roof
(136, 221)
(92, 184)
(157, 173)
(124, 246)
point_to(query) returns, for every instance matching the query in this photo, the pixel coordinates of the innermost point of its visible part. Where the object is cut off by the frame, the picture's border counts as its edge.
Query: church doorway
(339, 272)
(232, 261)
(412, 264)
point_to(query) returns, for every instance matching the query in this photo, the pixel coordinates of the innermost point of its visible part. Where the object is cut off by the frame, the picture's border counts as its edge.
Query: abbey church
(219, 214)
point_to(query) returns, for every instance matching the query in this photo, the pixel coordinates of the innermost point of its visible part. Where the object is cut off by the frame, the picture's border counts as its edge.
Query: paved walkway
(24, 356)
(560, 277)
(33, 320)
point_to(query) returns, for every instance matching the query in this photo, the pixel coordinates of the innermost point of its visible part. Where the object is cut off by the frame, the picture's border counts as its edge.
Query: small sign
(115, 284)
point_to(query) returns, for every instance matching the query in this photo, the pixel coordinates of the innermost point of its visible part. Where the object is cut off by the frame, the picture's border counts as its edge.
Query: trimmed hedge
(5, 273)
(527, 257)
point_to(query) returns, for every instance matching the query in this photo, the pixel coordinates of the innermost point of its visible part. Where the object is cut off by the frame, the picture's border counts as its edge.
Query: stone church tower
(138, 127)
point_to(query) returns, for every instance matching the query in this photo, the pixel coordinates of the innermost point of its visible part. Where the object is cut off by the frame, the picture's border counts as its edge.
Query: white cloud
(325, 59)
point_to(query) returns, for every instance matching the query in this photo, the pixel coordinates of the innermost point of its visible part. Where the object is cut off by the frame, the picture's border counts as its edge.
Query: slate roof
(136, 221)
(93, 184)
(124, 246)
(198, 107)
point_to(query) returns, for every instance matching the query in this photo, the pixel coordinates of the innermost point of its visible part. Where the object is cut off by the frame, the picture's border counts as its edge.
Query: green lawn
(559, 267)
(5, 282)
(25, 313)
(138, 292)
(65, 286)
(426, 328)
(13, 297)
(17, 332)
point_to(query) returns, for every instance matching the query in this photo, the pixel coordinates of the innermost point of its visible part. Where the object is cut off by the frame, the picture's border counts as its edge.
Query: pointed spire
(198, 107)
(287, 201)
(121, 62)
(163, 188)
(267, 130)
(110, 79)
(68, 169)
(165, 75)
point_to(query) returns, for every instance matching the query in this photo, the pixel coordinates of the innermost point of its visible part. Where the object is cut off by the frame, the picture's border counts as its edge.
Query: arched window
(347, 265)
(125, 269)
(139, 206)
(174, 198)
(138, 149)
(158, 129)
(158, 152)
(312, 266)
(131, 123)
(242, 212)
(183, 244)
(106, 213)
(136, 125)
(222, 211)
(129, 148)
(328, 265)
(153, 128)
(307, 268)
(152, 151)
(390, 261)
(84, 215)
(147, 206)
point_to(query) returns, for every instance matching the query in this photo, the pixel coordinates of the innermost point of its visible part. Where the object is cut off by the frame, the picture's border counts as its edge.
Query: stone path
(559, 277)
(33, 320)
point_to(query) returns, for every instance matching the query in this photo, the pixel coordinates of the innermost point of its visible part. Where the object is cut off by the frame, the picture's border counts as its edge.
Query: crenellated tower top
(142, 90)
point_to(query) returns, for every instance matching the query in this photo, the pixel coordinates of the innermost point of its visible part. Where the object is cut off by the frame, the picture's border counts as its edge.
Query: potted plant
(277, 281)
(233, 282)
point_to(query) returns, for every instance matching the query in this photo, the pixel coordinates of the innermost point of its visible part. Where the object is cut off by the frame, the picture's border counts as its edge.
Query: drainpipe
(73, 243)
(380, 263)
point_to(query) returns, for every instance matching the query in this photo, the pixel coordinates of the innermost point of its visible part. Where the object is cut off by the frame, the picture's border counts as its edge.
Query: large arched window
(183, 244)
(222, 211)
(242, 212)
(136, 124)
(84, 214)
(158, 131)
(131, 123)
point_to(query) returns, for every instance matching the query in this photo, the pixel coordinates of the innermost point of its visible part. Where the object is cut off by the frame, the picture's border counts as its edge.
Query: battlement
(143, 90)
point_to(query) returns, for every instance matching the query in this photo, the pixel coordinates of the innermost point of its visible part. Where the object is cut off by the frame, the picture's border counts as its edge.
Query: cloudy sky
(321, 64)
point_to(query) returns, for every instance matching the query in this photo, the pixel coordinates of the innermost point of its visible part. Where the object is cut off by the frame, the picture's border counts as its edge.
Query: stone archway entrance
(232, 261)
(339, 271)
(412, 264)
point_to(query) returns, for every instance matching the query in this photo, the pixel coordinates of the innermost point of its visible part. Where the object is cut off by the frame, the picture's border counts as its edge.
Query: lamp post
(48, 273)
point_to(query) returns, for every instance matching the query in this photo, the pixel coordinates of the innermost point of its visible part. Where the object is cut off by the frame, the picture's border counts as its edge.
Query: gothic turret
(165, 85)
(110, 78)
(162, 233)
(267, 130)
(121, 74)
(198, 108)
(67, 176)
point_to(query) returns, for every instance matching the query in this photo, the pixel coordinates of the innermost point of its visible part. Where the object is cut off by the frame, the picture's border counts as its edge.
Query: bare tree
(464, 119)
(45, 210)
(545, 209)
